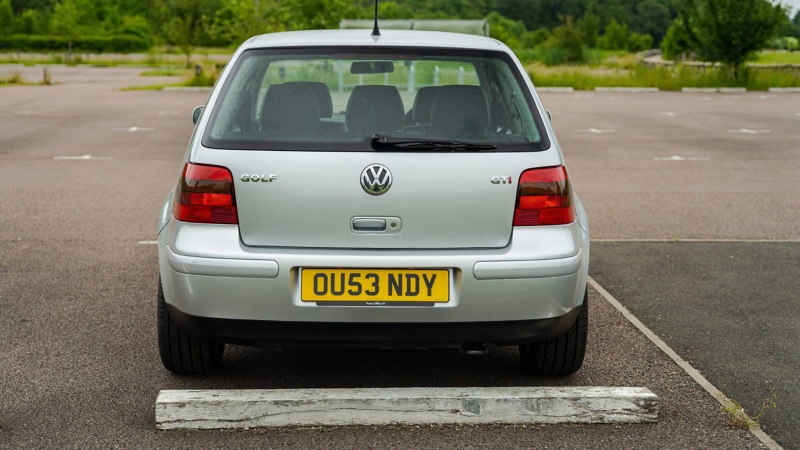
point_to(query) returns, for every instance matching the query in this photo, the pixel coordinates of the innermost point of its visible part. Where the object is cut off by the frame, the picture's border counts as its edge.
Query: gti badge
(376, 179)
(262, 178)
(498, 180)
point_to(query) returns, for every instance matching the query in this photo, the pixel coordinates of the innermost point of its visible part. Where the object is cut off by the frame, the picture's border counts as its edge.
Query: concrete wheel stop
(216, 409)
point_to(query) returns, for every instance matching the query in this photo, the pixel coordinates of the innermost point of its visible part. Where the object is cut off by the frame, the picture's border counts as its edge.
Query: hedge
(93, 44)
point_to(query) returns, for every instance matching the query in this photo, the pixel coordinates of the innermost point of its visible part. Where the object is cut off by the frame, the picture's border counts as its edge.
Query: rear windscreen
(338, 99)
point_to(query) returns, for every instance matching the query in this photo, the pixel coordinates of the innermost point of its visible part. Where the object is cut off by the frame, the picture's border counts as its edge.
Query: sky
(794, 4)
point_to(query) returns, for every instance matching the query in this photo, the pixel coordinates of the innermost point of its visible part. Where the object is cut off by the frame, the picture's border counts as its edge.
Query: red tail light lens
(544, 198)
(206, 195)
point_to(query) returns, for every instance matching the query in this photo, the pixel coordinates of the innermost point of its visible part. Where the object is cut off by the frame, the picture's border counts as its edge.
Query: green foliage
(136, 26)
(727, 30)
(676, 42)
(784, 43)
(321, 14)
(66, 19)
(534, 38)
(29, 22)
(615, 36)
(239, 20)
(639, 42)
(589, 25)
(570, 39)
(664, 78)
(652, 17)
(7, 19)
(91, 44)
(510, 32)
(186, 25)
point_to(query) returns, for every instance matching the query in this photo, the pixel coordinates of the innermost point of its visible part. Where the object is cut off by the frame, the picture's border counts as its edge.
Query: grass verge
(664, 78)
(164, 72)
(206, 78)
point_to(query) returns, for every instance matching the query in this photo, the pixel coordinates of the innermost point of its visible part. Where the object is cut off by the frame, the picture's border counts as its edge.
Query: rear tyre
(180, 352)
(561, 355)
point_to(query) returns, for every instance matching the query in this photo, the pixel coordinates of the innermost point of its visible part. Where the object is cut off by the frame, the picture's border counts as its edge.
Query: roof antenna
(375, 30)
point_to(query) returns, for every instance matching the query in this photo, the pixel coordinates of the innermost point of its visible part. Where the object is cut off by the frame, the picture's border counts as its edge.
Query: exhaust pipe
(475, 349)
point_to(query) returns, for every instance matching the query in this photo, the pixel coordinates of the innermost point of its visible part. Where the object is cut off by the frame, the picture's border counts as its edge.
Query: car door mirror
(196, 114)
(549, 116)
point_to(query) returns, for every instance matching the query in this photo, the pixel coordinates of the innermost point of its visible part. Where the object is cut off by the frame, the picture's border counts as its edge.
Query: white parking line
(147, 242)
(167, 112)
(595, 130)
(680, 158)
(672, 114)
(82, 158)
(132, 129)
(691, 371)
(746, 131)
(239, 408)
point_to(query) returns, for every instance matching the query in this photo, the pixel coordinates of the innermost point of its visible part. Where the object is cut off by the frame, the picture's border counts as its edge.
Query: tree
(727, 30)
(510, 32)
(589, 25)
(675, 42)
(652, 18)
(239, 20)
(615, 36)
(321, 14)
(66, 21)
(7, 19)
(570, 39)
(185, 26)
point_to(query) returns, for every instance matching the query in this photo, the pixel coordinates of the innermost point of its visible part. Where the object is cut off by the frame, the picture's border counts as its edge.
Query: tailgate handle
(369, 224)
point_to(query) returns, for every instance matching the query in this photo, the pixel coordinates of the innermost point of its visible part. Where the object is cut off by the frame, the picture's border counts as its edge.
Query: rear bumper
(266, 333)
(207, 272)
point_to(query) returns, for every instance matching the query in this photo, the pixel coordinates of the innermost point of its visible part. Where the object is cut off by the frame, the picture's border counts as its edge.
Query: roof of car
(388, 38)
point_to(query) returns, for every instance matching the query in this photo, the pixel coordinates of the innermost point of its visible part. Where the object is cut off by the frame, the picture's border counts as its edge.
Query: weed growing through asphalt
(737, 418)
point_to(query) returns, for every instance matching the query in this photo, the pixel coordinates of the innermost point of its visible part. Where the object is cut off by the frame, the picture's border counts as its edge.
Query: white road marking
(82, 158)
(595, 130)
(672, 114)
(746, 131)
(132, 129)
(239, 408)
(147, 242)
(691, 371)
(764, 97)
(797, 114)
(680, 158)
(168, 112)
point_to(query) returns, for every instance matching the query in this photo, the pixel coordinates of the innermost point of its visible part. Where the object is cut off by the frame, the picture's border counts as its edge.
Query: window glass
(340, 98)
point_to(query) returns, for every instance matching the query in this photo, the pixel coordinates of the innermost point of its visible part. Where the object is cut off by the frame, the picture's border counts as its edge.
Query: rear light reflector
(206, 195)
(544, 197)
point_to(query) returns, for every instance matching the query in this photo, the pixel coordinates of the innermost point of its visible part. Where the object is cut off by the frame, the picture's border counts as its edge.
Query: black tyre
(561, 355)
(180, 352)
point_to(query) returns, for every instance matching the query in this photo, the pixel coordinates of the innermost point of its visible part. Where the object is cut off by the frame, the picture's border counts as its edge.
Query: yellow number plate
(375, 285)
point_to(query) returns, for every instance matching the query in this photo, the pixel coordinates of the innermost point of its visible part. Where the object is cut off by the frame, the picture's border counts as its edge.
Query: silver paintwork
(498, 272)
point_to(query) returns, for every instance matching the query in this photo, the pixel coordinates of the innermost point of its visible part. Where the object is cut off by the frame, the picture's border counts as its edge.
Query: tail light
(206, 195)
(544, 198)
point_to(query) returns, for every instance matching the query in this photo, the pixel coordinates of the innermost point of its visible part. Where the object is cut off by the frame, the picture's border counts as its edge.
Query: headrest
(423, 103)
(289, 107)
(320, 91)
(374, 109)
(460, 109)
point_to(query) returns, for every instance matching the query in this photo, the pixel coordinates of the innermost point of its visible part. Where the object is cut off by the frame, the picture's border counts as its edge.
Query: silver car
(347, 190)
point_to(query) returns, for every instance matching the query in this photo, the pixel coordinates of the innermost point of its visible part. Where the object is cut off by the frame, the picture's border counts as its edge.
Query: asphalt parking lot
(77, 291)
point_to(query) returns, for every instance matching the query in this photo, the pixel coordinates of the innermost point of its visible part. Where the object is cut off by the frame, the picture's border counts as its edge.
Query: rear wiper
(380, 143)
